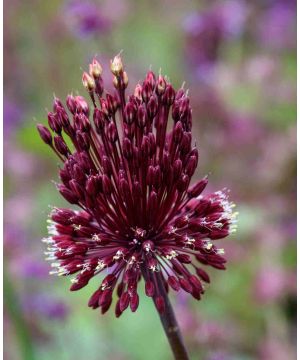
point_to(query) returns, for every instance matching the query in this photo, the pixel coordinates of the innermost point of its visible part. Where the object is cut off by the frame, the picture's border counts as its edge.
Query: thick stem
(170, 325)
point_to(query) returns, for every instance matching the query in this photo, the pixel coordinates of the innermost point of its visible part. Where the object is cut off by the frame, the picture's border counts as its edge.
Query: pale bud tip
(116, 65)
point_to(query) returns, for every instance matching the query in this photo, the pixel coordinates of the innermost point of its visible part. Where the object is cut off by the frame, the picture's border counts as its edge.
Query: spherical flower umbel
(130, 177)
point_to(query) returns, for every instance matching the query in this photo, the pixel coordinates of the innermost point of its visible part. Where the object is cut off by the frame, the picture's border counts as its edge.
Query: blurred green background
(238, 61)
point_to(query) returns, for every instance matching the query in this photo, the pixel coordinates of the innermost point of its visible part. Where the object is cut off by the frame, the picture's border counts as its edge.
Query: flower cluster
(130, 176)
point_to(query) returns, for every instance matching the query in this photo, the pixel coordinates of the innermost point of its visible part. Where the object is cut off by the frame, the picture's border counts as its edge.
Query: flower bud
(191, 166)
(83, 140)
(129, 113)
(76, 189)
(169, 95)
(124, 301)
(56, 103)
(92, 185)
(203, 275)
(99, 120)
(112, 132)
(134, 302)
(127, 148)
(146, 91)
(67, 194)
(197, 188)
(177, 168)
(185, 285)
(116, 65)
(82, 105)
(94, 299)
(61, 146)
(95, 69)
(54, 123)
(150, 78)
(160, 86)
(152, 106)
(178, 132)
(112, 104)
(173, 282)
(71, 104)
(44, 134)
(195, 283)
(88, 82)
(141, 116)
(183, 183)
(138, 92)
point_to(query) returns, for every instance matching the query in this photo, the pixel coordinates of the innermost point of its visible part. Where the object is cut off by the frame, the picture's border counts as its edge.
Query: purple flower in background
(207, 30)
(12, 115)
(45, 305)
(204, 37)
(29, 268)
(277, 26)
(130, 176)
(14, 237)
(18, 165)
(276, 348)
(85, 18)
(243, 130)
(270, 284)
(219, 355)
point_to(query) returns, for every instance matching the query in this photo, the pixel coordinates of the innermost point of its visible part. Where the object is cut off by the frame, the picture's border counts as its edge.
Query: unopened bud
(169, 95)
(150, 78)
(88, 82)
(138, 92)
(197, 189)
(61, 146)
(95, 69)
(82, 105)
(44, 134)
(161, 85)
(71, 104)
(116, 65)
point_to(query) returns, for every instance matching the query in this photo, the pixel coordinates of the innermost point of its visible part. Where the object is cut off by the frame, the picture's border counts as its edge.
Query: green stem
(171, 327)
(169, 321)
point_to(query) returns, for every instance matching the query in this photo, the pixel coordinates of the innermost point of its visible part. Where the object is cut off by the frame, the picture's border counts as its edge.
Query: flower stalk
(171, 327)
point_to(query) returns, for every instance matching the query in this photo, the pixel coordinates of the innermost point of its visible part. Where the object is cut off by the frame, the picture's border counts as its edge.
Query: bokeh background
(238, 61)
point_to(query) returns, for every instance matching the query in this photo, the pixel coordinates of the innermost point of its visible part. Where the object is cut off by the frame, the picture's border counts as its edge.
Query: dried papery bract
(138, 217)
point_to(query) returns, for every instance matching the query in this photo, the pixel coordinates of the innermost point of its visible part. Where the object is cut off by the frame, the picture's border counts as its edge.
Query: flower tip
(44, 134)
(116, 65)
(95, 69)
(161, 85)
(88, 82)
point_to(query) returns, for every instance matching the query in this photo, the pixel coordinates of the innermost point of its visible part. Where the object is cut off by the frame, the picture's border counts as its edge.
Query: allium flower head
(129, 172)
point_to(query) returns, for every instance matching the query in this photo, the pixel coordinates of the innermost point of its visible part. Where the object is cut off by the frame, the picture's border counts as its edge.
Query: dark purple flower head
(129, 173)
